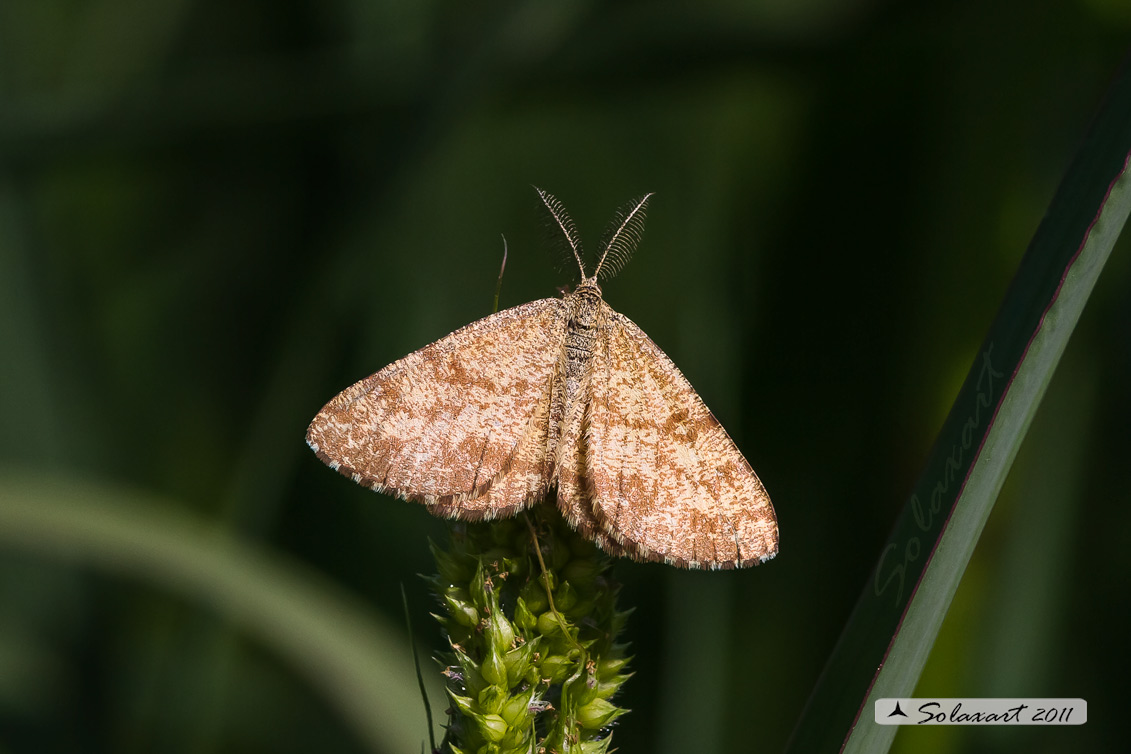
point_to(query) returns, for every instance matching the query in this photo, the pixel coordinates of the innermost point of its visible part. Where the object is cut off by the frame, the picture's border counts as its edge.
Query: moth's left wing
(460, 425)
(665, 479)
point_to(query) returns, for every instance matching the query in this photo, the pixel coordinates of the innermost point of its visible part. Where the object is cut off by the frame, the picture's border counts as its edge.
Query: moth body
(563, 399)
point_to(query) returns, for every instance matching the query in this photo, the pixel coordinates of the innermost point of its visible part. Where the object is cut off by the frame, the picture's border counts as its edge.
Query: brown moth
(559, 395)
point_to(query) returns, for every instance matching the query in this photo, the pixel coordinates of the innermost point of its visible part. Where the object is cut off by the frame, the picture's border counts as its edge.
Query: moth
(560, 398)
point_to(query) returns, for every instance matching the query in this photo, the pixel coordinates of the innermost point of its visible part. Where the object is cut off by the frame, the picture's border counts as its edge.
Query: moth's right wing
(460, 425)
(665, 480)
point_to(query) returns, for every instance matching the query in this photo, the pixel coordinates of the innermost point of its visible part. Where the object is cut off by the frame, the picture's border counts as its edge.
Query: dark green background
(215, 215)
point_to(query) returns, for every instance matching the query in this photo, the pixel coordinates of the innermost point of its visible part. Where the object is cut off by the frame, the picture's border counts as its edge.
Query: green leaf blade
(891, 631)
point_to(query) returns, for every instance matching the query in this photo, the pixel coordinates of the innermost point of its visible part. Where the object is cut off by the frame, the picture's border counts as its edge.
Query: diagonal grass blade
(885, 644)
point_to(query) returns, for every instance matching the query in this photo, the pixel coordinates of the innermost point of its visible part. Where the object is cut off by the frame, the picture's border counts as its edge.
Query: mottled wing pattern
(573, 493)
(460, 425)
(665, 479)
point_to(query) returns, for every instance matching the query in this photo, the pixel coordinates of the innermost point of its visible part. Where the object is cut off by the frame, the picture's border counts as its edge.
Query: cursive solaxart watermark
(892, 569)
(981, 711)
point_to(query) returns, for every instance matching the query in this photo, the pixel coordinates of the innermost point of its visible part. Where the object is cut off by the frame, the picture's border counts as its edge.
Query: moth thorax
(585, 310)
(585, 307)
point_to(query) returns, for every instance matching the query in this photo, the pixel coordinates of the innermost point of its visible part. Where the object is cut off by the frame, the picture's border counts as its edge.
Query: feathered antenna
(562, 227)
(621, 237)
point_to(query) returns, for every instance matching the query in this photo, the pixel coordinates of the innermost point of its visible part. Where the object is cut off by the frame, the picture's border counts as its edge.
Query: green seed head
(533, 658)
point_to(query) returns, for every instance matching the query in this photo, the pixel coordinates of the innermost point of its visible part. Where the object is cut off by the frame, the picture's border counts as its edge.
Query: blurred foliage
(216, 215)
